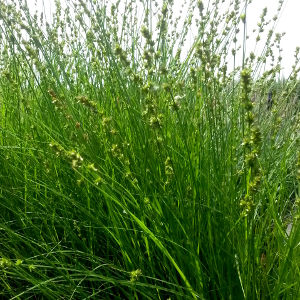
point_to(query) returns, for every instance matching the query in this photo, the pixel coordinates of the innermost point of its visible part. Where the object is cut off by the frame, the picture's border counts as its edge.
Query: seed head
(134, 275)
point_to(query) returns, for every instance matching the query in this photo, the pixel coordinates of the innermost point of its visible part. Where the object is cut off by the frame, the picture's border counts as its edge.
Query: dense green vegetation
(130, 170)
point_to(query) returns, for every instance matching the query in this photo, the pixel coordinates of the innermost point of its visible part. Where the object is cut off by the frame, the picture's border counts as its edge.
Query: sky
(289, 22)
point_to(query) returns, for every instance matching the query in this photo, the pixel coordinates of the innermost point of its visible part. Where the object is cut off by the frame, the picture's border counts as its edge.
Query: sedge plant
(139, 161)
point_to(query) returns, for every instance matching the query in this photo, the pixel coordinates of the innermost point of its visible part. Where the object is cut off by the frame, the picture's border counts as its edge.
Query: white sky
(289, 22)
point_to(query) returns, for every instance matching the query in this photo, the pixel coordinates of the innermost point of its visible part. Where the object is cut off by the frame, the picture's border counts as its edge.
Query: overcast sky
(289, 22)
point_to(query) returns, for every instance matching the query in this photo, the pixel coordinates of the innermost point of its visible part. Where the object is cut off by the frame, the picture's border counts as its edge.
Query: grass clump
(135, 167)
